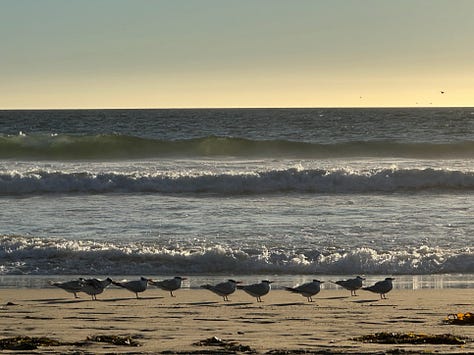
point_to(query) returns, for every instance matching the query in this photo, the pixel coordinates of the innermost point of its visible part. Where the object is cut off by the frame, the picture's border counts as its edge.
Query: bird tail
(291, 289)
(207, 287)
(51, 283)
(240, 287)
(366, 288)
(116, 283)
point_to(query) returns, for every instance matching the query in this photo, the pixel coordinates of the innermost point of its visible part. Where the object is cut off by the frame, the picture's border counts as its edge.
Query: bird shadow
(286, 304)
(206, 303)
(130, 298)
(334, 298)
(81, 300)
(59, 300)
(238, 304)
(365, 301)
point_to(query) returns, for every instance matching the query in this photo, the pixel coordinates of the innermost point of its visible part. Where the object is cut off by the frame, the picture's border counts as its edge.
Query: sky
(58, 54)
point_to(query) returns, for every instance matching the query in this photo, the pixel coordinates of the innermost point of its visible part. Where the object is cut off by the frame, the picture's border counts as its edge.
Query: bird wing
(257, 290)
(170, 284)
(310, 288)
(342, 283)
(225, 288)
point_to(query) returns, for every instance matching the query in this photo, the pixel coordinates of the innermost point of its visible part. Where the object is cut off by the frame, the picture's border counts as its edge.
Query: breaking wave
(115, 146)
(273, 181)
(42, 256)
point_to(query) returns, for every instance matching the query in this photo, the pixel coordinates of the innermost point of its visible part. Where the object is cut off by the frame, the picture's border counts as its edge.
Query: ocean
(287, 194)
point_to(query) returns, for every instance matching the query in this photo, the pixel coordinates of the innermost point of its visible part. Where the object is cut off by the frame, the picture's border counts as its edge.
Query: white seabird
(308, 289)
(223, 289)
(134, 286)
(381, 287)
(73, 286)
(257, 290)
(352, 284)
(169, 284)
(93, 287)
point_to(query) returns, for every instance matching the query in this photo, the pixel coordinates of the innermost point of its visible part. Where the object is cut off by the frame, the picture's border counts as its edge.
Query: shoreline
(283, 323)
(406, 282)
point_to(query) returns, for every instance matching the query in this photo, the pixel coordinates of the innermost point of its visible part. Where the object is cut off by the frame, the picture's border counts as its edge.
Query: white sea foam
(48, 256)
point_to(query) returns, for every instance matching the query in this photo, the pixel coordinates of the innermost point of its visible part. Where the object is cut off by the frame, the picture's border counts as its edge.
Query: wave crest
(42, 256)
(287, 180)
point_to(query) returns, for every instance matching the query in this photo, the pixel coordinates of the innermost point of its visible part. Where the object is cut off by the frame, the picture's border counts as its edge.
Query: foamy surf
(235, 182)
(49, 256)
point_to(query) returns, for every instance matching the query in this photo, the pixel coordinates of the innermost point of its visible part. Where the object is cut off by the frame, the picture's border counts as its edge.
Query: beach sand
(284, 321)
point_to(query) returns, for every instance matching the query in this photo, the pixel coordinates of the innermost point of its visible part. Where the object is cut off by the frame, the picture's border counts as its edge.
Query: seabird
(93, 287)
(134, 286)
(352, 284)
(307, 290)
(257, 290)
(223, 289)
(381, 287)
(169, 284)
(73, 286)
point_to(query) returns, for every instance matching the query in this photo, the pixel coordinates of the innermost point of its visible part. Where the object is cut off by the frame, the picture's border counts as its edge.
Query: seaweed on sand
(460, 319)
(227, 345)
(411, 338)
(32, 343)
(114, 339)
(27, 343)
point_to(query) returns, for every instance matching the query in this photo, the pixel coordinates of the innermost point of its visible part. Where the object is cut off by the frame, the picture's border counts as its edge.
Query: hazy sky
(239, 53)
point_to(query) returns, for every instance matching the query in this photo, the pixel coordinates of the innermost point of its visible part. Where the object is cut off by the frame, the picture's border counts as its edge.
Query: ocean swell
(115, 146)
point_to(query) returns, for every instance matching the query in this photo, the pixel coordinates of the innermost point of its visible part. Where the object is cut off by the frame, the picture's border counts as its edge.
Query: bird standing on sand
(381, 287)
(223, 289)
(352, 284)
(308, 289)
(73, 286)
(169, 284)
(134, 286)
(257, 290)
(94, 287)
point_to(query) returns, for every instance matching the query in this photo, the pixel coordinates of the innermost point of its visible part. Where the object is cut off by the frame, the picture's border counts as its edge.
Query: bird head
(267, 282)
(180, 278)
(321, 282)
(234, 282)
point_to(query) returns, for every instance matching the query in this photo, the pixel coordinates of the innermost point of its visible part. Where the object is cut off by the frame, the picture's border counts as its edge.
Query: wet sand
(284, 321)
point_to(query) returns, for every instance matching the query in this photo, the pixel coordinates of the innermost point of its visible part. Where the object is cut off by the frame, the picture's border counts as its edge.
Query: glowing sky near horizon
(245, 53)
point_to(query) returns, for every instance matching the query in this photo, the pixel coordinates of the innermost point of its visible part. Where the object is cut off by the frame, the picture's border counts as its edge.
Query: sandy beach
(283, 323)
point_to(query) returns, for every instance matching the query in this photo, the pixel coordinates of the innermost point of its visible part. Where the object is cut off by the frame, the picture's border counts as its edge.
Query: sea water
(287, 194)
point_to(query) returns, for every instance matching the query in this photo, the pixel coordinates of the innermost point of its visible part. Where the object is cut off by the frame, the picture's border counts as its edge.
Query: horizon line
(229, 108)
